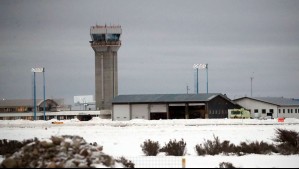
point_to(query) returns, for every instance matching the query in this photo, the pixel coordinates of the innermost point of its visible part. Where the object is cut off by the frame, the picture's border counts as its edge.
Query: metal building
(270, 107)
(171, 106)
(105, 42)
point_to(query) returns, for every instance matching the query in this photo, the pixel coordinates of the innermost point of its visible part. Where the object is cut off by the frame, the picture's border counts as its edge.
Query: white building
(274, 107)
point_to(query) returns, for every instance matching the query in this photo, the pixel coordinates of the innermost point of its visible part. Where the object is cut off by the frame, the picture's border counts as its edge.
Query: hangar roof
(166, 98)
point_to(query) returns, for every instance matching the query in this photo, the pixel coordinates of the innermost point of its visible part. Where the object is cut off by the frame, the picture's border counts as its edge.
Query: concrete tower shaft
(105, 42)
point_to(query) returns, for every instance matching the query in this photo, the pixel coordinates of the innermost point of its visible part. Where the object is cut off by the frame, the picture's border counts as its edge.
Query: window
(279, 111)
(271, 111)
(295, 110)
(288, 110)
(256, 110)
(291, 110)
(263, 111)
(284, 111)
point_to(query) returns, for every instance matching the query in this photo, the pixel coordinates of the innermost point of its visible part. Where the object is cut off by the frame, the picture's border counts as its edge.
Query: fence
(158, 161)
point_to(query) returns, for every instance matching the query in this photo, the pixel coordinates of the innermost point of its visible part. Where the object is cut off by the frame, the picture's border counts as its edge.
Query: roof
(279, 101)
(25, 102)
(165, 98)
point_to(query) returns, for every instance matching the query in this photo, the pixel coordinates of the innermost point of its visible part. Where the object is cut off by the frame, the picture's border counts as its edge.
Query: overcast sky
(161, 41)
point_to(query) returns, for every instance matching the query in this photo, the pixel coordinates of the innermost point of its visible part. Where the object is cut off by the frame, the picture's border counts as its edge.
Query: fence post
(183, 162)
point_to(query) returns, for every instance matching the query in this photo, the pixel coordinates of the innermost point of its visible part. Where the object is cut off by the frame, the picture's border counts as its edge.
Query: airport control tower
(105, 43)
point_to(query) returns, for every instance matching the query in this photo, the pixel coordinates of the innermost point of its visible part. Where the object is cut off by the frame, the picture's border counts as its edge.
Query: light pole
(207, 79)
(196, 66)
(44, 93)
(201, 66)
(38, 70)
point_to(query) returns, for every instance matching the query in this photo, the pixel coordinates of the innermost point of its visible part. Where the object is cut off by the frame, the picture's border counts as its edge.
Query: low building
(171, 106)
(26, 105)
(24, 109)
(270, 107)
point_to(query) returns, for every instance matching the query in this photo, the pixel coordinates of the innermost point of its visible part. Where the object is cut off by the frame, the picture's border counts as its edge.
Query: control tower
(105, 43)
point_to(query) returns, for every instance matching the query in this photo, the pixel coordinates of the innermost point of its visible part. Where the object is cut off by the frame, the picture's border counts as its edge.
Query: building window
(263, 111)
(295, 110)
(288, 110)
(279, 111)
(291, 110)
(284, 111)
(256, 110)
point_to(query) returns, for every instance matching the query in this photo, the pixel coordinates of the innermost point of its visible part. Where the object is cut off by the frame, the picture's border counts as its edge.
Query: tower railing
(105, 43)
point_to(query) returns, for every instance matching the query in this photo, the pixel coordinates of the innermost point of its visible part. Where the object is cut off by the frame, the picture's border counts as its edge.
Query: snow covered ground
(124, 138)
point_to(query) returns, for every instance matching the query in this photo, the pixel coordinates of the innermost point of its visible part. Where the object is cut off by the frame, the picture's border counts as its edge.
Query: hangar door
(121, 112)
(158, 111)
(140, 111)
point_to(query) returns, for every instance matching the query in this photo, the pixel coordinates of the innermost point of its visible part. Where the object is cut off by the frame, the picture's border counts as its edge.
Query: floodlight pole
(34, 95)
(197, 85)
(44, 94)
(38, 70)
(207, 79)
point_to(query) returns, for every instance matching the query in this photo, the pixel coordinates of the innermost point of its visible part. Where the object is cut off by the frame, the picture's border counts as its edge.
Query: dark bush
(8, 147)
(215, 147)
(125, 162)
(226, 165)
(150, 148)
(256, 148)
(174, 148)
(288, 141)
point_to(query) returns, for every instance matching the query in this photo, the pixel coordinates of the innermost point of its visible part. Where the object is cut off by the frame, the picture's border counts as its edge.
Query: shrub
(226, 165)
(150, 148)
(175, 148)
(8, 147)
(289, 141)
(126, 163)
(217, 147)
(256, 148)
(214, 147)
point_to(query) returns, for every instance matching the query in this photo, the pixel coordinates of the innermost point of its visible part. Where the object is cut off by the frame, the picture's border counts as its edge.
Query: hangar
(171, 106)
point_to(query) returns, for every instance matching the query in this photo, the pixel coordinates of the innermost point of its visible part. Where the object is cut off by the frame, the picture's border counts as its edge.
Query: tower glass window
(112, 37)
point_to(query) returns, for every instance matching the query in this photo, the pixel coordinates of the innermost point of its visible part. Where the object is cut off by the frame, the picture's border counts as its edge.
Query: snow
(123, 138)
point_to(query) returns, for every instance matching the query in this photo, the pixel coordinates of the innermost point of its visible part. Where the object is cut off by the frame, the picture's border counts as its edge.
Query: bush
(174, 148)
(125, 162)
(8, 147)
(256, 148)
(150, 148)
(215, 147)
(226, 165)
(289, 141)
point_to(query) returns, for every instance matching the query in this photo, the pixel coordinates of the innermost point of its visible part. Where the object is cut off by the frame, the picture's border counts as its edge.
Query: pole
(44, 94)
(34, 95)
(251, 85)
(197, 80)
(207, 79)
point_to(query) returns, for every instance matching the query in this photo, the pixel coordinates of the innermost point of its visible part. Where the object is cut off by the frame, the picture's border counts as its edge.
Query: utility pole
(251, 79)
(188, 89)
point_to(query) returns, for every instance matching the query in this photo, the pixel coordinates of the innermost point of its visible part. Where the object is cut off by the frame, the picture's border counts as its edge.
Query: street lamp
(39, 70)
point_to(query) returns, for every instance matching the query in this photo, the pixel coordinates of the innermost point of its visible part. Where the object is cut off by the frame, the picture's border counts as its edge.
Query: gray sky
(161, 41)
